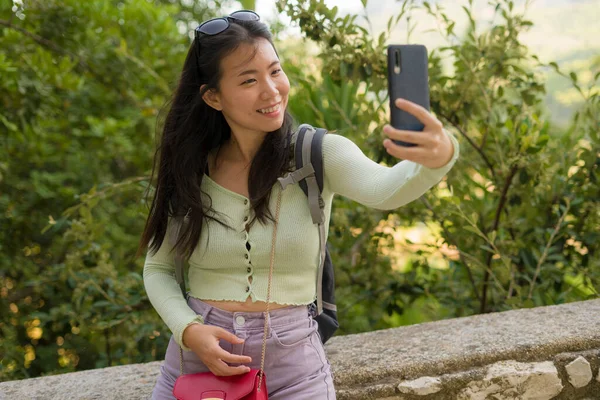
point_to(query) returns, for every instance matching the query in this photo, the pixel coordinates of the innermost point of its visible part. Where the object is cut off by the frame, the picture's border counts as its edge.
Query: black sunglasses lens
(218, 25)
(245, 15)
(213, 27)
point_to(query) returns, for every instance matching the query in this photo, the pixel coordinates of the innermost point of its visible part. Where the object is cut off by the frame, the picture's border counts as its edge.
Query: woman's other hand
(434, 148)
(204, 341)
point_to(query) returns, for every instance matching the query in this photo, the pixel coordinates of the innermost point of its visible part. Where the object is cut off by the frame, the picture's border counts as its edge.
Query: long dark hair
(192, 129)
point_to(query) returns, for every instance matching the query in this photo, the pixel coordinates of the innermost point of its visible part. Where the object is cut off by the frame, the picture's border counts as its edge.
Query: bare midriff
(247, 306)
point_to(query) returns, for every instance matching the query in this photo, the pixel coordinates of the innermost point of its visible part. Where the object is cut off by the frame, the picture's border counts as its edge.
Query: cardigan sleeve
(165, 294)
(350, 173)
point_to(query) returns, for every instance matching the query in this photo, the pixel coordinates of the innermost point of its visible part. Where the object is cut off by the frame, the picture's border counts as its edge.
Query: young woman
(225, 142)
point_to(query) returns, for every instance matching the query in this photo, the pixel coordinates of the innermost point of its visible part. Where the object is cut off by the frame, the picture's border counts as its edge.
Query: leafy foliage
(82, 83)
(518, 214)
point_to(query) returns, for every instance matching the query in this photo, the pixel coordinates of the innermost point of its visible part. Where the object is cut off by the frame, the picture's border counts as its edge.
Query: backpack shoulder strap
(309, 150)
(308, 174)
(308, 156)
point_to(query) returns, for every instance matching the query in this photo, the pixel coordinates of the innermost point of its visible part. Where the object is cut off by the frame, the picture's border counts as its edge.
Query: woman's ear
(212, 98)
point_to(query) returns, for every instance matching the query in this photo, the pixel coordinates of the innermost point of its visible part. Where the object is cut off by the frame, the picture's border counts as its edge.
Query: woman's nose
(270, 90)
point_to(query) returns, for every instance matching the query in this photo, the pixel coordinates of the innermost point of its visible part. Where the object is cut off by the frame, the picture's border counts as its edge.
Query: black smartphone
(407, 79)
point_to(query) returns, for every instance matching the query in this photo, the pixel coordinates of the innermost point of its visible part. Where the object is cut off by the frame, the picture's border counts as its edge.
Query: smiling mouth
(270, 109)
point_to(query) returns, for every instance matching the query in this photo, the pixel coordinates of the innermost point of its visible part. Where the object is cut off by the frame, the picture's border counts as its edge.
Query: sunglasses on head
(217, 25)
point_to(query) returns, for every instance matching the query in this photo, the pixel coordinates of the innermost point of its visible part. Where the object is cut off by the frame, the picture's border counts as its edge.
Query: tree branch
(454, 243)
(468, 139)
(57, 49)
(547, 249)
(46, 43)
(499, 209)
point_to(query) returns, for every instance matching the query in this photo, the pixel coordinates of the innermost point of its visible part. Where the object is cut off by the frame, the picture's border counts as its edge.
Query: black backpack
(309, 175)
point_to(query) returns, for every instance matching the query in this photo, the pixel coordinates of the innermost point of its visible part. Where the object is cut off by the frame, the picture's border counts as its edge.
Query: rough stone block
(580, 372)
(509, 380)
(421, 386)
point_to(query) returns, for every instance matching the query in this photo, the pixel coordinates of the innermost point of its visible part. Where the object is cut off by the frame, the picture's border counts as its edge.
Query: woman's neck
(241, 149)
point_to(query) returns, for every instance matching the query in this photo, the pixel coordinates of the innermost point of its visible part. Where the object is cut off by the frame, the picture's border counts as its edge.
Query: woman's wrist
(189, 331)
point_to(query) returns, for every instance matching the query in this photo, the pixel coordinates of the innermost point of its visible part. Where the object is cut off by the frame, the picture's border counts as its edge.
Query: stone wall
(541, 353)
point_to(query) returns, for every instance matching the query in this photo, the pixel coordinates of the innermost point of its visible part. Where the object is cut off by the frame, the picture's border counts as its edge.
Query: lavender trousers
(296, 366)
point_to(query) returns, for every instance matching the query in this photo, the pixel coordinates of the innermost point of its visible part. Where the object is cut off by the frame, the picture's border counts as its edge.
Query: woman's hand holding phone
(433, 149)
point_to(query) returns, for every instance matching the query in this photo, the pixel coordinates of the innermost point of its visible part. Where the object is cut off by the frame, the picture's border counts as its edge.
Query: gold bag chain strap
(264, 345)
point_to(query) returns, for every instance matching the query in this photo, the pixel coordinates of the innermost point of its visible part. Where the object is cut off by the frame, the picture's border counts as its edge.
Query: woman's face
(253, 92)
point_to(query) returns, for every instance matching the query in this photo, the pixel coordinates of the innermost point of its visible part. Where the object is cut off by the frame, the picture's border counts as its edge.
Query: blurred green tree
(82, 83)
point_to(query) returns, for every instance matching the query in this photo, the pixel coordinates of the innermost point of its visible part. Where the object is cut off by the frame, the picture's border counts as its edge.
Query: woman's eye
(251, 80)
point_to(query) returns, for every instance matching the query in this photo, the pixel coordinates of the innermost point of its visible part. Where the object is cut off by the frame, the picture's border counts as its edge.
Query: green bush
(521, 213)
(82, 83)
